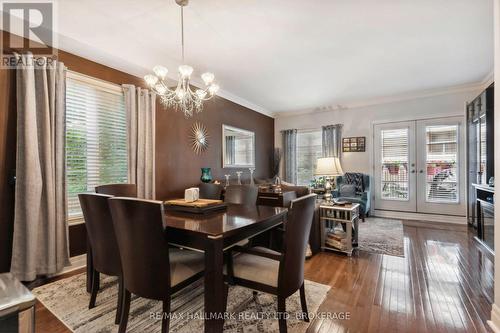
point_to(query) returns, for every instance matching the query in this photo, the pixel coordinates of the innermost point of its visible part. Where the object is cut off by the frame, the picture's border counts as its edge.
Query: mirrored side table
(17, 306)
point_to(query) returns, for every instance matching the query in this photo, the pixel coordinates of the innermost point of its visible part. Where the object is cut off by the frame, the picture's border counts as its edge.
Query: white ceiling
(290, 55)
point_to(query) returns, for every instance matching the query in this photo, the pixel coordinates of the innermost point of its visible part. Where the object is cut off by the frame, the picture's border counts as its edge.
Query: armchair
(355, 188)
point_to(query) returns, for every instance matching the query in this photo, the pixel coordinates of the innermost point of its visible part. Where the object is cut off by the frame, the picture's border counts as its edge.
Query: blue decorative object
(206, 175)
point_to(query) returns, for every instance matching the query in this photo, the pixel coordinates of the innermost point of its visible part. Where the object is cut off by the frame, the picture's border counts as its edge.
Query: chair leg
(94, 288)
(303, 303)
(282, 314)
(255, 296)
(226, 295)
(125, 311)
(165, 321)
(120, 300)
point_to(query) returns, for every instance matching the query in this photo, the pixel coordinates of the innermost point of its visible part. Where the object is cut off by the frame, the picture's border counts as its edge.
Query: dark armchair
(355, 188)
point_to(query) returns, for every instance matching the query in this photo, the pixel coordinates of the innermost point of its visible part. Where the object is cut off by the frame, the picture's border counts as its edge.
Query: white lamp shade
(328, 166)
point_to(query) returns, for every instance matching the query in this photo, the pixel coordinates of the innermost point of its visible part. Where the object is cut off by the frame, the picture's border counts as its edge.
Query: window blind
(442, 163)
(309, 149)
(96, 138)
(394, 149)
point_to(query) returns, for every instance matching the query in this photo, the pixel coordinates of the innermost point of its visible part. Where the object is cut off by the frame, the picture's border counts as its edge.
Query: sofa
(354, 187)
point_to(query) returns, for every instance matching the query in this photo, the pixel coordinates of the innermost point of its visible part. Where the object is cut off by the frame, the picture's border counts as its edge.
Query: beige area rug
(383, 236)
(68, 300)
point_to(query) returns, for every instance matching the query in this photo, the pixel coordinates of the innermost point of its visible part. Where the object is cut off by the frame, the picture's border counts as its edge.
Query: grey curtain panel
(332, 137)
(140, 105)
(40, 243)
(290, 155)
(230, 150)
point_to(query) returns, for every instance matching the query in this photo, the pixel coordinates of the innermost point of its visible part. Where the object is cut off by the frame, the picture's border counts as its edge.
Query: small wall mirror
(238, 148)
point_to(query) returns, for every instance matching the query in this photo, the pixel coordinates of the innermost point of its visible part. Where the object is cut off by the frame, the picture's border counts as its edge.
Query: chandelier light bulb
(180, 93)
(185, 71)
(213, 88)
(208, 78)
(201, 93)
(160, 89)
(151, 79)
(160, 71)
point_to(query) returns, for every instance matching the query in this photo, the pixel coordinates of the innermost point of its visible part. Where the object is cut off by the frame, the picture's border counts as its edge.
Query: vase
(206, 175)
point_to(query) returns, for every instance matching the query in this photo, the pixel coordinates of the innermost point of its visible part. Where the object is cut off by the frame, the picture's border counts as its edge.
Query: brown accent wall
(177, 166)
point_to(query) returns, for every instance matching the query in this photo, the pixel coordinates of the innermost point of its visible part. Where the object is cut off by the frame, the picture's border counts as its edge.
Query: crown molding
(488, 79)
(391, 99)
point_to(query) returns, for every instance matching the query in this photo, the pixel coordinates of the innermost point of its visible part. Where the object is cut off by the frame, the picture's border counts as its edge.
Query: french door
(419, 166)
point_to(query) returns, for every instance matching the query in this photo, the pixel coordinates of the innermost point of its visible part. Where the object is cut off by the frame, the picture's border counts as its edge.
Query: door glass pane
(482, 150)
(442, 163)
(394, 158)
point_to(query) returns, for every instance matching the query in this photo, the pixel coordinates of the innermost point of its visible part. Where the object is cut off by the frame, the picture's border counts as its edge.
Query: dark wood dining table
(213, 234)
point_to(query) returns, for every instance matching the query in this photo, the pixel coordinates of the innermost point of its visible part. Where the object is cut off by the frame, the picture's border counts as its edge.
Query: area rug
(68, 300)
(380, 235)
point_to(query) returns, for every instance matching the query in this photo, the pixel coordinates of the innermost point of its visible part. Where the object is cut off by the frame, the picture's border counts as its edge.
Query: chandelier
(181, 97)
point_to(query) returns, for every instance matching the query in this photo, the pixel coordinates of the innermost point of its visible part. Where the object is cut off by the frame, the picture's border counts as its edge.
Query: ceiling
(291, 55)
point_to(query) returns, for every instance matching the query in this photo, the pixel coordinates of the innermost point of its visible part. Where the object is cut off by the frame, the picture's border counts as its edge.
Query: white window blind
(442, 163)
(309, 149)
(96, 138)
(394, 156)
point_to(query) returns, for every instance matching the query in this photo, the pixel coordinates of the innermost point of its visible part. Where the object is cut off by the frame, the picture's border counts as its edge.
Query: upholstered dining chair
(150, 268)
(103, 246)
(118, 190)
(241, 194)
(280, 274)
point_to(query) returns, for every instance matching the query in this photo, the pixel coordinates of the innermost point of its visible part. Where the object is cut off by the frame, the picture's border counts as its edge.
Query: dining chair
(241, 194)
(118, 190)
(150, 268)
(103, 246)
(280, 274)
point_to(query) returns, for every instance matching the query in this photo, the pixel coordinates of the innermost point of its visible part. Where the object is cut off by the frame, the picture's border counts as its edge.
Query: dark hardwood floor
(435, 288)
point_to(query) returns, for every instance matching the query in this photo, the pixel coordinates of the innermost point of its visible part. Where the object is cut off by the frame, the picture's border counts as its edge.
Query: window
(394, 156)
(309, 149)
(96, 138)
(442, 163)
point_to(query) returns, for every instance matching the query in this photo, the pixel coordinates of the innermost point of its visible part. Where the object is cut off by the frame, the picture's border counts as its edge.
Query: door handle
(421, 171)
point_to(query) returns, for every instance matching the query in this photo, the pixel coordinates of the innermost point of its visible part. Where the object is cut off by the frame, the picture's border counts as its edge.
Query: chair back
(210, 191)
(101, 233)
(241, 194)
(140, 234)
(118, 190)
(297, 229)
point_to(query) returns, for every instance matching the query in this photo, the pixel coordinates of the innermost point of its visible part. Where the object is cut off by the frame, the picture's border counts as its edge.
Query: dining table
(214, 233)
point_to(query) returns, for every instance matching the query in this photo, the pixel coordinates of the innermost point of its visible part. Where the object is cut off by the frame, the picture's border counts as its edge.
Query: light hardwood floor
(436, 287)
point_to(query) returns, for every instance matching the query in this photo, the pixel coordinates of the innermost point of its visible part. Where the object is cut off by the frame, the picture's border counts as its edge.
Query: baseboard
(77, 262)
(433, 225)
(495, 319)
(457, 220)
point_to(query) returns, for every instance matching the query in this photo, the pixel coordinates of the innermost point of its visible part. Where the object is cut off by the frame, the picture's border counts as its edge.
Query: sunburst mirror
(199, 138)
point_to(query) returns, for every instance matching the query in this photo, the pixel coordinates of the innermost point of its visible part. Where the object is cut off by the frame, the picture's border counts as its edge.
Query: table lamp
(328, 167)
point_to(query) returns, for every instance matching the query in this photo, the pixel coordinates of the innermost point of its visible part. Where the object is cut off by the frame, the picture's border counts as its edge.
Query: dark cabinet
(480, 147)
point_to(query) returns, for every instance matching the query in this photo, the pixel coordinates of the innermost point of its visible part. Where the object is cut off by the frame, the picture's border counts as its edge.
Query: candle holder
(239, 176)
(227, 179)
(251, 176)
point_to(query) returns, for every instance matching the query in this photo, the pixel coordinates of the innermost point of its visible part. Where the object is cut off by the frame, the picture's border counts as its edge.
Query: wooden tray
(200, 206)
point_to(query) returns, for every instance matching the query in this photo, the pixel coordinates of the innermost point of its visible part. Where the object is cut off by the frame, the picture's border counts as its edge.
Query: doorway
(419, 166)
